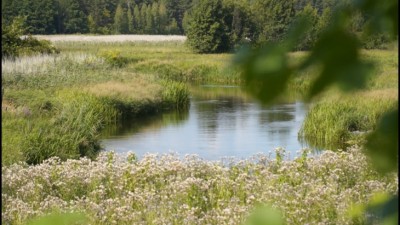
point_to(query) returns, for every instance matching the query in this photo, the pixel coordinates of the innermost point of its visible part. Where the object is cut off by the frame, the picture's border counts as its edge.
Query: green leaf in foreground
(60, 219)
(382, 144)
(341, 64)
(265, 215)
(266, 72)
(384, 210)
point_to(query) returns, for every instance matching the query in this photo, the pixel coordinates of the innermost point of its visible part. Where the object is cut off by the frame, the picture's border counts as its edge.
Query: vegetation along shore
(71, 69)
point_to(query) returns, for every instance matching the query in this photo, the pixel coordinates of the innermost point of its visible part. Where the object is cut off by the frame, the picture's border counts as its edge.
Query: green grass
(170, 60)
(60, 103)
(338, 120)
(131, 79)
(58, 106)
(341, 121)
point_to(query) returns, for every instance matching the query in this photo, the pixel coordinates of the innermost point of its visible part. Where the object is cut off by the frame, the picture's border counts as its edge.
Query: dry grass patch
(136, 89)
(111, 38)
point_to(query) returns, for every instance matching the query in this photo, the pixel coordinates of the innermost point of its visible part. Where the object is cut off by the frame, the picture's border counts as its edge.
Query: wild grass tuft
(71, 133)
(176, 95)
(338, 121)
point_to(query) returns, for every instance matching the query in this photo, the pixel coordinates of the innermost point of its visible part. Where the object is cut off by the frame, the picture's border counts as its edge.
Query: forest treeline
(226, 23)
(98, 16)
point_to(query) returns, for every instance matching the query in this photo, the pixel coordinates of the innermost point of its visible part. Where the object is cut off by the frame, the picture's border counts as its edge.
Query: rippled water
(221, 122)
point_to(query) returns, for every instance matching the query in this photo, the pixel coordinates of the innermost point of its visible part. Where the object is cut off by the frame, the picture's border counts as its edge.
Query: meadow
(55, 106)
(333, 188)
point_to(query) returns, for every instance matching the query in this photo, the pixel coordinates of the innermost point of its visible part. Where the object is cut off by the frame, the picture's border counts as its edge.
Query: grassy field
(134, 78)
(56, 106)
(61, 102)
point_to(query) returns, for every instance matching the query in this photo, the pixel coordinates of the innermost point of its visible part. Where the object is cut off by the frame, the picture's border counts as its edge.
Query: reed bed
(111, 38)
(342, 120)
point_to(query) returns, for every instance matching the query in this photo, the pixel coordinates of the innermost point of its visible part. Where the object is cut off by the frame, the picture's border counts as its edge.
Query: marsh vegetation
(57, 105)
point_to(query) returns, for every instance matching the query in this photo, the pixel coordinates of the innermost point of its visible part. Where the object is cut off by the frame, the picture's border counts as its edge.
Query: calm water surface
(221, 121)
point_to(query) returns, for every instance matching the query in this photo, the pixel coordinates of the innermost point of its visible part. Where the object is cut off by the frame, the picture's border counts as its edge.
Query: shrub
(31, 45)
(114, 58)
(14, 44)
(376, 41)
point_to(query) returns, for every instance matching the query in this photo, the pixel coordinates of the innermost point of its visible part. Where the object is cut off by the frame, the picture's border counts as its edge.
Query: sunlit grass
(340, 120)
(61, 102)
(136, 89)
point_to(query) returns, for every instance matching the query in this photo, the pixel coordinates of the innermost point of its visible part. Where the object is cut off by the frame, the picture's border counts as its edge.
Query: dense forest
(98, 16)
(226, 23)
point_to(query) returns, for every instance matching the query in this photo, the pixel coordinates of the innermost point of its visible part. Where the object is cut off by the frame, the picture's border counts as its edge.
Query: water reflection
(220, 122)
(135, 125)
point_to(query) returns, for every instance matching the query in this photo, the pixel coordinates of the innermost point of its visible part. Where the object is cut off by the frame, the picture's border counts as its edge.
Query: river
(222, 121)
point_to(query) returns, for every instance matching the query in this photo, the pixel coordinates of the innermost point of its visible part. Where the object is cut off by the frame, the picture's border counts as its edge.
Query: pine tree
(185, 21)
(173, 27)
(163, 17)
(156, 18)
(149, 21)
(130, 18)
(120, 21)
(40, 16)
(92, 25)
(137, 19)
(143, 15)
(75, 20)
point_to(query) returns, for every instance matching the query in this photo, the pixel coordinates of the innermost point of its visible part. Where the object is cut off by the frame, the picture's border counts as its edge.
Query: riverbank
(133, 78)
(56, 105)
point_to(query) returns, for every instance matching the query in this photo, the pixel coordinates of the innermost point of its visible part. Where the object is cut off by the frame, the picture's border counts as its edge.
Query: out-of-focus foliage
(60, 219)
(264, 215)
(337, 53)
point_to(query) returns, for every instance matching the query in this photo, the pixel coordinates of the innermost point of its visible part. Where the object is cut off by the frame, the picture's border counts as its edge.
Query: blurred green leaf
(265, 215)
(265, 71)
(385, 211)
(340, 64)
(382, 144)
(60, 219)
(383, 16)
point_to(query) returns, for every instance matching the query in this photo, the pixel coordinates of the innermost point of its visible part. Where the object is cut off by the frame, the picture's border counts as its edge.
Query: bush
(10, 37)
(114, 58)
(14, 44)
(376, 41)
(31, 45)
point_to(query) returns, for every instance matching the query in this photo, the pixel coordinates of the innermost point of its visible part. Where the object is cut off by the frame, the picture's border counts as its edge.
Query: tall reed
(338, 121)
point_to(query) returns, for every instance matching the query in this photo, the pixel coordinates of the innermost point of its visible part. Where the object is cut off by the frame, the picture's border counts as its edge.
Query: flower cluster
(167, 189)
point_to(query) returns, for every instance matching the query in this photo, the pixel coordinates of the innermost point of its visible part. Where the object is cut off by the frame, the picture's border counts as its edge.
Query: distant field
(112, 38)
